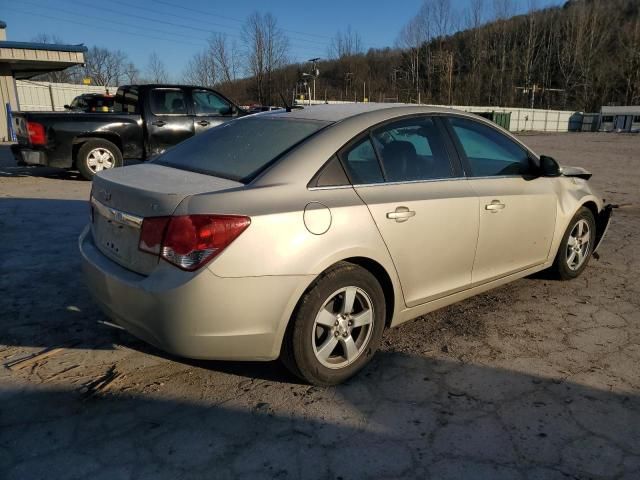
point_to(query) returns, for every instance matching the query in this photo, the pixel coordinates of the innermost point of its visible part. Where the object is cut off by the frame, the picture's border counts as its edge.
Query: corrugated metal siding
(38, 96)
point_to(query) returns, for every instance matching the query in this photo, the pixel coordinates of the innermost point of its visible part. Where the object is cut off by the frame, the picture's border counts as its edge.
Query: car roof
(338, 112)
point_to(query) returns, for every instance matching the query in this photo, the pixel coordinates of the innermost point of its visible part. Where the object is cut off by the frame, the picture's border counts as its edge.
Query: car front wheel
(337, 326)
(577, 245)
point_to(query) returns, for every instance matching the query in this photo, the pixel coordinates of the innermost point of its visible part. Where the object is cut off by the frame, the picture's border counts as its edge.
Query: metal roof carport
(23, 60)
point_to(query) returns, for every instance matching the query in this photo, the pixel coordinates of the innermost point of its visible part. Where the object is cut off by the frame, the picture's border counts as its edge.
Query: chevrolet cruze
(304, 234)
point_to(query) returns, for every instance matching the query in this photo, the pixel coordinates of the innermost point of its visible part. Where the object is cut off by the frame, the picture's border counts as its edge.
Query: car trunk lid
(121, 198)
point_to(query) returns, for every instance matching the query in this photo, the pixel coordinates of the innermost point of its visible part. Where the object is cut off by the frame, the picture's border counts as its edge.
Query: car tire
(576, 246)
(323, 334)
(96, 155)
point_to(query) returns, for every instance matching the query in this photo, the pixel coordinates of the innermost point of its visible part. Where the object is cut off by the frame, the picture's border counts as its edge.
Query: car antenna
(287, 107)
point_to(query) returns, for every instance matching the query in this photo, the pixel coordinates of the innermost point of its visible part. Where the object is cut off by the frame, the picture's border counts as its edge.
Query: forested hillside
(580, 56)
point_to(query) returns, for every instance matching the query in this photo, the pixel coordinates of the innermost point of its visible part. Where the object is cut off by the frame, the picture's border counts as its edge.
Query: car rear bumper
(194, 315)
(29, 156)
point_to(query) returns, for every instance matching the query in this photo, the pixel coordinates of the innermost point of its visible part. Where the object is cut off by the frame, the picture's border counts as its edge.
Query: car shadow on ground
(403, 417)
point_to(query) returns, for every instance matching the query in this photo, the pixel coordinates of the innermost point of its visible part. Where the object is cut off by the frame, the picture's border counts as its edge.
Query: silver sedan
(304, 234)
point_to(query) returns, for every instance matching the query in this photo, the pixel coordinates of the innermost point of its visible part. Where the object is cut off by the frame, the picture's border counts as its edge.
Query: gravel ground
(535, 380)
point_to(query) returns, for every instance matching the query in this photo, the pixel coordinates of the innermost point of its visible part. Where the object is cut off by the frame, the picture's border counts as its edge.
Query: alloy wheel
(343, 327)
(578, 244)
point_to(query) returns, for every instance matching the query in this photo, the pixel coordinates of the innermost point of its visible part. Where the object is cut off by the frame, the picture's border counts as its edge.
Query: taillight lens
(36, 133)
(152, 234)
(190, 241)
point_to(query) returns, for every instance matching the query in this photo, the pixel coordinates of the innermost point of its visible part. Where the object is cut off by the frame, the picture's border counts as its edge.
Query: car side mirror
(67, 107)
(549, 167)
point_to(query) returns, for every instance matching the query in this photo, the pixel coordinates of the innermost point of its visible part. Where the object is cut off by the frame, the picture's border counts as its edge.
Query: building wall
(7, 95)
(47, 96)
(522, 119)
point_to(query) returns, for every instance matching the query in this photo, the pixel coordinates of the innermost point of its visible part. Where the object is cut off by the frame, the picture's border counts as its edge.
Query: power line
(206, 22)
(69, 12)
(202, 12)
(173, 24)
(74, 22)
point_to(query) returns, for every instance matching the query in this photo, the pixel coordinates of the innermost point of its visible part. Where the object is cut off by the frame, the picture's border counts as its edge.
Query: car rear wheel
(577, 245)
(337, 326)
(97, 155)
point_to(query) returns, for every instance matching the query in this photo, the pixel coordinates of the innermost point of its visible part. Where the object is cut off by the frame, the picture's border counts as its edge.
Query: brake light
(36, 133)
(190, 241)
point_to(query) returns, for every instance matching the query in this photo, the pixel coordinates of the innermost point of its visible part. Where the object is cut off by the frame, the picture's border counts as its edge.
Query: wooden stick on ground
(23, 362)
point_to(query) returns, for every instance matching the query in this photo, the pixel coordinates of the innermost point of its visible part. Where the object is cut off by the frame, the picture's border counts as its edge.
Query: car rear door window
(412, 149)
(488, 152)
(362, 164)
(168, 102)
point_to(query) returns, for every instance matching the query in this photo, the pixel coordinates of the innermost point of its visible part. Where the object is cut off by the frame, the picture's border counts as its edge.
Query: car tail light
(190, 241)
(36, 133)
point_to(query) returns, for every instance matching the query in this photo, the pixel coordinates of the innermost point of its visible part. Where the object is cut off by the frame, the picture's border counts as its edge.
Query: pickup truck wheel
(97, 155)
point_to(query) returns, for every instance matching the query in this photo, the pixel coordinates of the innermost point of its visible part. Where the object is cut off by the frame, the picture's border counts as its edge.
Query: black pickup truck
(147, 119)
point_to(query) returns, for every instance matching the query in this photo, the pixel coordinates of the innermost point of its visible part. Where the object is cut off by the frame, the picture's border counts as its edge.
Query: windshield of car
(241, 149)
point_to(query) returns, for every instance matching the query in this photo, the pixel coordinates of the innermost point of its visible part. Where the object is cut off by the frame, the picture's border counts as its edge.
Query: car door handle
(159, 123)
(495, 206)
(401, 214)
(203, 123)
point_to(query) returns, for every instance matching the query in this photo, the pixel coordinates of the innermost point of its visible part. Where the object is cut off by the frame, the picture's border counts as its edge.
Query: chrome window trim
(116, 215)
(381, 184)
(410, 182)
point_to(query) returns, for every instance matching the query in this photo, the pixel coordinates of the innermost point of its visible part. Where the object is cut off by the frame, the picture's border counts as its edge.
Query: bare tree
(201, 70)
(267, 47)
(68, 75)
(131, 73)
(225, 56)
(631, 62)
(105, 67)
(156, 70)
(412, 38)
(345, 44)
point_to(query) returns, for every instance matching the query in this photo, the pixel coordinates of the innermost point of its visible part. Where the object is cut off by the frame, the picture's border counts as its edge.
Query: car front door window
(488, 152)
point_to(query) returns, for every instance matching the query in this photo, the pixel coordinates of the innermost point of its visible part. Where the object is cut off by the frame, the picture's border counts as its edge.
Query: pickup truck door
(168, 120)
(210, 109)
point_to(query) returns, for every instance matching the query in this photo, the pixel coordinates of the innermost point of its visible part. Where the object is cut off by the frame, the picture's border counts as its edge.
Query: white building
(620, 119)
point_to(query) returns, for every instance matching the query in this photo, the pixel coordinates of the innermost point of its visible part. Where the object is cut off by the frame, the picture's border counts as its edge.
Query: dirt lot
(535, 380)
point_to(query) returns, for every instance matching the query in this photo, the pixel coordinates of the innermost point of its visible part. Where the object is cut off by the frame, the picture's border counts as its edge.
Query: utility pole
(314, 73)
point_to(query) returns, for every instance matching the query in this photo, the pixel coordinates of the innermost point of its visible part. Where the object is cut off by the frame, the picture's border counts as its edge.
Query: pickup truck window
(126, 100)
(168, 102)
(240, 149)
(206, 102)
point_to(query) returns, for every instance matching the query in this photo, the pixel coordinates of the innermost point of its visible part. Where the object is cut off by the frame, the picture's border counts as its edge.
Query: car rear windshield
(241, 149)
